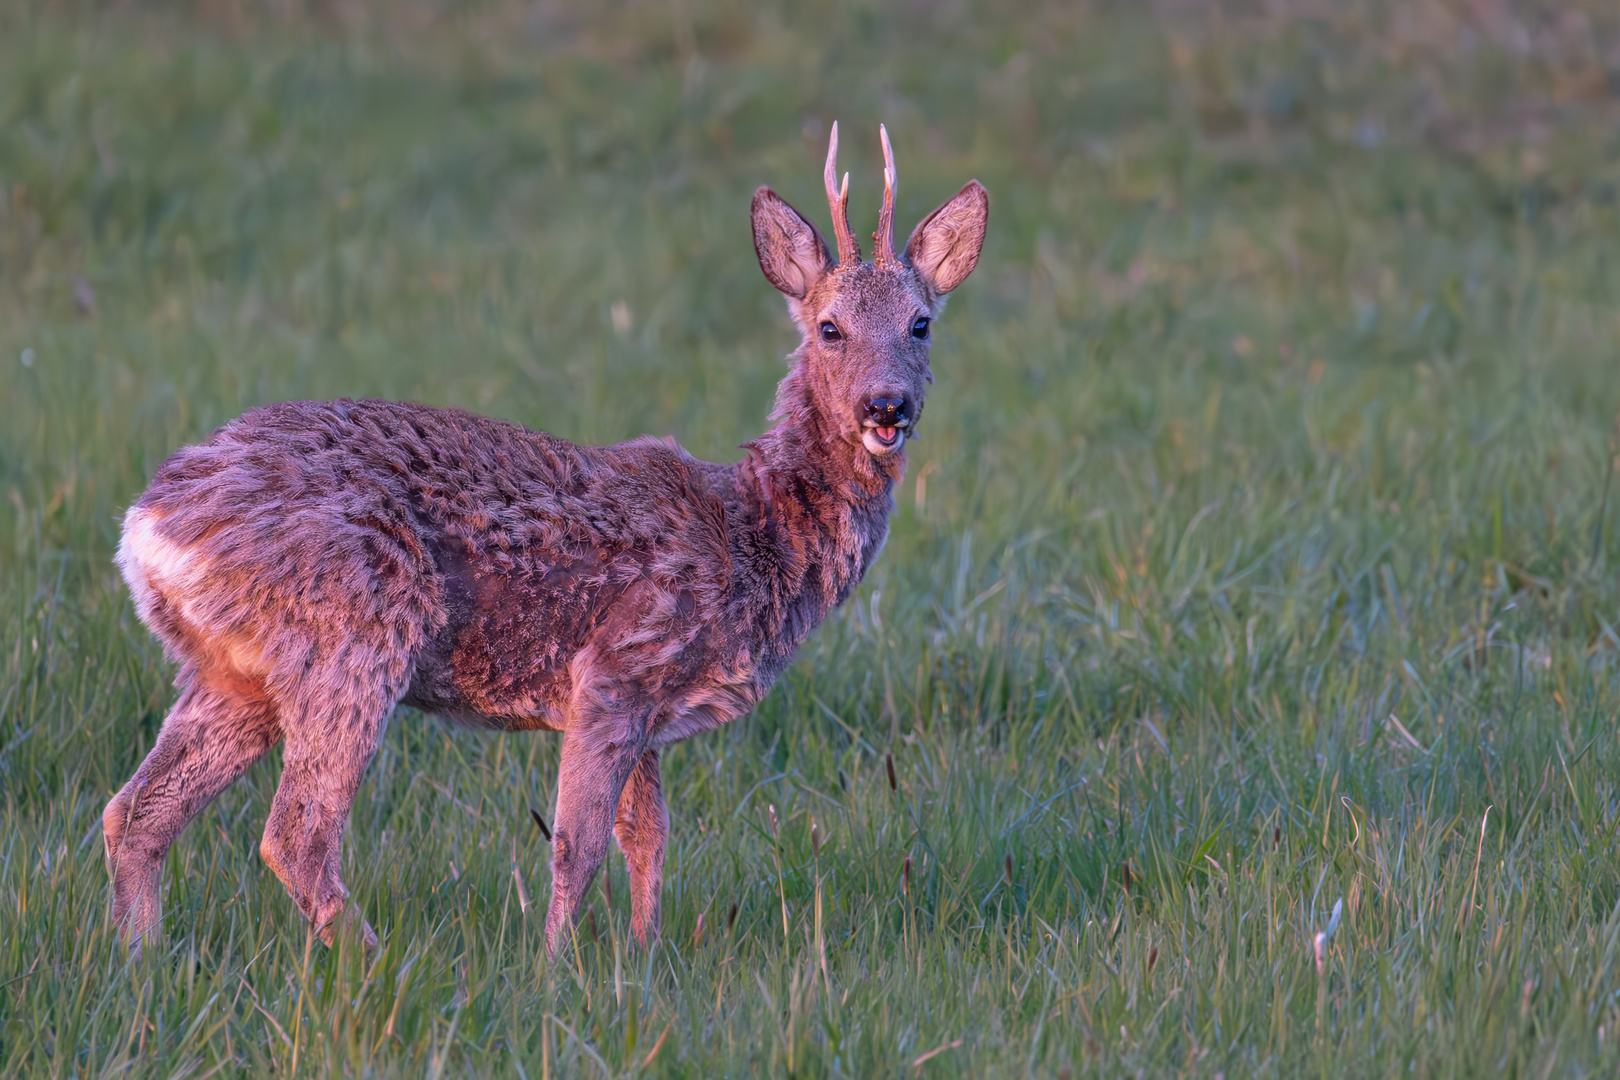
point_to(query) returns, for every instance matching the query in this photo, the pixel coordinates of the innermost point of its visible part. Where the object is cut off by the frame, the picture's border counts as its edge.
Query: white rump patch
(154, 565)
(156, 569)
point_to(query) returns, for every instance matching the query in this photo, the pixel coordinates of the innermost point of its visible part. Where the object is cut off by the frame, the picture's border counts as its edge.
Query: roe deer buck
(313, 564)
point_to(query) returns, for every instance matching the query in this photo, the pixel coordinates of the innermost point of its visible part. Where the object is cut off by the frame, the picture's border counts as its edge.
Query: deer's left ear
(945, 246)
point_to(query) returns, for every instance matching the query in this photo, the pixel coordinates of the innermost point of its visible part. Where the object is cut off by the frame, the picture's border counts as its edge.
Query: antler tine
(884, 237)
(849, 252)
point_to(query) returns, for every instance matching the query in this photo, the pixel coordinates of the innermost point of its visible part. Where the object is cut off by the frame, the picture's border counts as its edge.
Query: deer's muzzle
(884, 424)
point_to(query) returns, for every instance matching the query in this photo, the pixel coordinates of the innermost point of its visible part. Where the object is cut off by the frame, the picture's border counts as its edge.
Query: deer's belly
(517, 638)
(503, 656)
(526, 702)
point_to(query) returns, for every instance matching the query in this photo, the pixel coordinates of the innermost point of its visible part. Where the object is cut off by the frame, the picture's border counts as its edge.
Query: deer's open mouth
(884, 439)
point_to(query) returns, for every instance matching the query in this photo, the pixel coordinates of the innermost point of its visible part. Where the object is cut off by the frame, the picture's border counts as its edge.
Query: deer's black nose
(886, 411)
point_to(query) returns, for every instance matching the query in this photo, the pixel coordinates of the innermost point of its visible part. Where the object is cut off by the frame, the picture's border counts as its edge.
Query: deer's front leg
(596, 763)
(642, 829)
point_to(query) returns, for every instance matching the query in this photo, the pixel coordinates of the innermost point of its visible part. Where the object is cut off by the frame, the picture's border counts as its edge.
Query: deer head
(866, 325)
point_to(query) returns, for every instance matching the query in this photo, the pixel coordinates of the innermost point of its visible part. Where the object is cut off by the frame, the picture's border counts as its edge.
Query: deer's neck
(813, 513)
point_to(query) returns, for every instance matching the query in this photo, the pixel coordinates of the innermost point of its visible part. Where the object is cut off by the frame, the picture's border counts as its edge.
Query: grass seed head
(888, 764)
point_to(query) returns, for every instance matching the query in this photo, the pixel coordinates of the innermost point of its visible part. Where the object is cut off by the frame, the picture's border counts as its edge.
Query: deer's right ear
(791, 251)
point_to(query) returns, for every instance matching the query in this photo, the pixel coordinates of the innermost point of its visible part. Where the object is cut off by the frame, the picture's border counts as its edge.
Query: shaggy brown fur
(313, 564)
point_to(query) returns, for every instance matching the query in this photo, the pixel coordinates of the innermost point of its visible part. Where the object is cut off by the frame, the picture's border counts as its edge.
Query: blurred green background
(1258, 553)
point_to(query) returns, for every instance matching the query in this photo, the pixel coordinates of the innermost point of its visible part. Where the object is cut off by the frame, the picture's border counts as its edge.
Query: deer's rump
(478, 557)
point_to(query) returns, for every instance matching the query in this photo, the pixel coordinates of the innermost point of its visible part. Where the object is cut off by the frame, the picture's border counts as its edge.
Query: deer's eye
(829, 332)
(919, 329)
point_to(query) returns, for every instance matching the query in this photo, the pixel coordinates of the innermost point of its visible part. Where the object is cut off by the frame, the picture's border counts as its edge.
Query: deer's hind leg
(331, 734)
(642, 829)
(214, 732)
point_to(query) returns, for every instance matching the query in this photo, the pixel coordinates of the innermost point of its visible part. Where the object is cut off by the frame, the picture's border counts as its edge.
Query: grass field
(1258, 561)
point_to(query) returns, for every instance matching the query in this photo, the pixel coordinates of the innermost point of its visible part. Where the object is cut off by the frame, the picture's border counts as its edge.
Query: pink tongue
(886, 434)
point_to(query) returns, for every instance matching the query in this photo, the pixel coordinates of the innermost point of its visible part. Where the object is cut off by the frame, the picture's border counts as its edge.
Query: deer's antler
(849, 251)
(884, 237)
